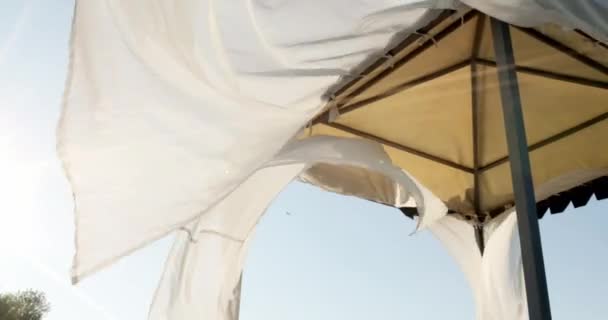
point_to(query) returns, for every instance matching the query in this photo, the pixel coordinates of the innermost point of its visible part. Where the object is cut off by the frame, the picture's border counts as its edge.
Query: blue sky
(333, 258)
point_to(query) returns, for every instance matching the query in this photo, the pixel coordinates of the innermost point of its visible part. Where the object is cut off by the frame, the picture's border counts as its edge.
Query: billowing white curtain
(171, 105)
(202, 274)
(496, 278)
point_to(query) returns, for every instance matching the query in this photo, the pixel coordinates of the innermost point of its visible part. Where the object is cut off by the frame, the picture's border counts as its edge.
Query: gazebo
(192, 117)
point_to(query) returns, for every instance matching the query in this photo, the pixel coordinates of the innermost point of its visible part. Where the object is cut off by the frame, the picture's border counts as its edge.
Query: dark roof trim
(579, 196)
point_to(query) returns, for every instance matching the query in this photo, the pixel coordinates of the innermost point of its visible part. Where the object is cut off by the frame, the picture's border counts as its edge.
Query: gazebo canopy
(433, 101)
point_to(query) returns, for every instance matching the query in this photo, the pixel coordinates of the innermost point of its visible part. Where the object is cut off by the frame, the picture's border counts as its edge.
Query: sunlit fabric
(171, 105)
(202, 273)
(496, 279)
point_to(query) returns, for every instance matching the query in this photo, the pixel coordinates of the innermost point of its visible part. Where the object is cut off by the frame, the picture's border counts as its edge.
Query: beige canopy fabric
(434, 103)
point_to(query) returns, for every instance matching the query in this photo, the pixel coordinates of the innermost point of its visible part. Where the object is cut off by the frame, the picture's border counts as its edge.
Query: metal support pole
(523, 188)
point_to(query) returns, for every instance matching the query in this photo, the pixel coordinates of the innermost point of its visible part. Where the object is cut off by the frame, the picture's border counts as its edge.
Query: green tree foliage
(23, 305)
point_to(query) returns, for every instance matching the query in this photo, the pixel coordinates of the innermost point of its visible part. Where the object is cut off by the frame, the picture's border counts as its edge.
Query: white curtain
(496, 279)
(171, 105)
(202, 274)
